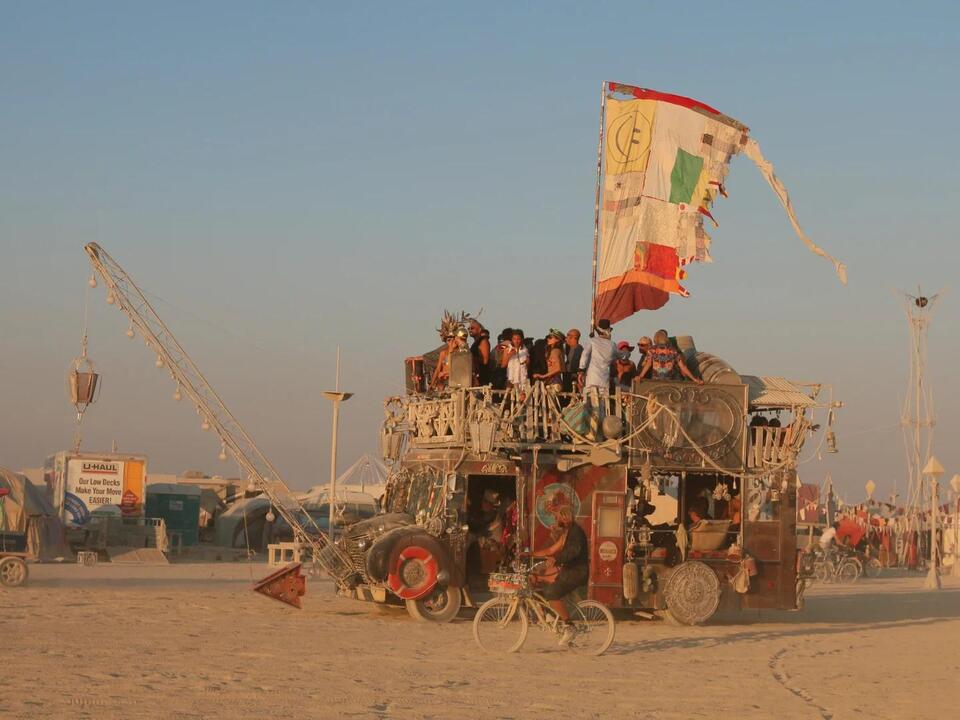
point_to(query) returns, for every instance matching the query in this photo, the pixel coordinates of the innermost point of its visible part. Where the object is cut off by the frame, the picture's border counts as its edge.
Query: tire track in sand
(780, 675)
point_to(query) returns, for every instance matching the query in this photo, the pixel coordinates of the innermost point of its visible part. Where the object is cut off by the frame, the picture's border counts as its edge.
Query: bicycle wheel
(500, 625)
(848, 572)
(593, 628)
(873, 568)
(823, 572)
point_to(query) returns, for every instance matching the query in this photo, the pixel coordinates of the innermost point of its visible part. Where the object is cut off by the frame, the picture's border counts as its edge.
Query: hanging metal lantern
(831, 442)
(83, 384)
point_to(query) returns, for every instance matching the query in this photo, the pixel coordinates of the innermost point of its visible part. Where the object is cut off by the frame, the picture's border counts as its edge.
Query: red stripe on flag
(626, 298)
(647, 94)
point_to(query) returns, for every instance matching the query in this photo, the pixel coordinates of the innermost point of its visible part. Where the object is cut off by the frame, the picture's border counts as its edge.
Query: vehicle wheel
(823, 572)
(873, 568)
(13, 572)
(593, 626)
(500, 625)
(440, 606)
(848, 573)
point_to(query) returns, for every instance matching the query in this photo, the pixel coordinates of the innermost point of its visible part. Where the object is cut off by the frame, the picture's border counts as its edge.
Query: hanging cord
(246, 530)
(77, 436)
(86, 321)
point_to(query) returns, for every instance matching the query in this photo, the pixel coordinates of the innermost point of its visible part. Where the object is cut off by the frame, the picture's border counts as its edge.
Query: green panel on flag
(684, 176)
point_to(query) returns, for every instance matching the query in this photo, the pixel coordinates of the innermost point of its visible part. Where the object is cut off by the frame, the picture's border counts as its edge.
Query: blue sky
(287, 177)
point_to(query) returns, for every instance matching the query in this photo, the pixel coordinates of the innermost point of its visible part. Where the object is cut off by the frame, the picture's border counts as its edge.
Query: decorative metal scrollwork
(692, 592)
(712, 419)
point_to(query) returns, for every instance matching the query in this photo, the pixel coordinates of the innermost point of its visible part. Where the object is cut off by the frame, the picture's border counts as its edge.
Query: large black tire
(441, 606)
(13, 572)
(431, 545)
(377, 561)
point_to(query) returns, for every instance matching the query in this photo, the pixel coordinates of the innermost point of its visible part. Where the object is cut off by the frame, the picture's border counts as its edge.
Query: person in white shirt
(515, 358)
(827, 538)
(598, 355)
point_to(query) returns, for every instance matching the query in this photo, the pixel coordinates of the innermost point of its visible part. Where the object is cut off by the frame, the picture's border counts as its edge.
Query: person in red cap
(623, 369)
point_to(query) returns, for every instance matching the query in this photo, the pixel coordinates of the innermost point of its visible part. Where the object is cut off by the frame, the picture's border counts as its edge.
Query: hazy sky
(285, 177)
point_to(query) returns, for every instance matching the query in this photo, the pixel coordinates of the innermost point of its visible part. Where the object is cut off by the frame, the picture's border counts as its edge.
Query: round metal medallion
(692, 592)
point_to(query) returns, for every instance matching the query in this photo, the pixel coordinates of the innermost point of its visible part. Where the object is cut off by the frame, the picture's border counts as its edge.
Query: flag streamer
(752, 150)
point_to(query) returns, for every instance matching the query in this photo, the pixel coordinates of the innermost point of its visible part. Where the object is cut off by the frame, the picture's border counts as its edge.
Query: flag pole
(596, 207)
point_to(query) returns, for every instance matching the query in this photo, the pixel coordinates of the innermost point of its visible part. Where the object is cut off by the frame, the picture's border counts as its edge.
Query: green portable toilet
(179, 506)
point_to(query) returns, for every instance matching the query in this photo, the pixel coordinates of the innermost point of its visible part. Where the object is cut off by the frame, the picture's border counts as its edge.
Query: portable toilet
(179, 506)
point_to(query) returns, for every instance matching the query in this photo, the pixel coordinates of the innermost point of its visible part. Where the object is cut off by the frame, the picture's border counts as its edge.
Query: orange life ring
(414, 574)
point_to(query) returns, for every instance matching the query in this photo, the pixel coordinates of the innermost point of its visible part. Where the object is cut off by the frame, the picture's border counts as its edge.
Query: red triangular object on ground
(286, 585)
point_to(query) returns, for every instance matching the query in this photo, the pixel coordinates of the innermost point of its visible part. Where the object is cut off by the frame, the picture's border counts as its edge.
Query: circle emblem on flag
(629, 137)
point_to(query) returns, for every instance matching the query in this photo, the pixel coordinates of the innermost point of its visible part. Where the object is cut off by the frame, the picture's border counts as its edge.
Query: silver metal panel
(768, 391)
(701, 425)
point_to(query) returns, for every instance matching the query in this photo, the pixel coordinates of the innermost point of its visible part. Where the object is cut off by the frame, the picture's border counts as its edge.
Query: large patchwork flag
(664, 161)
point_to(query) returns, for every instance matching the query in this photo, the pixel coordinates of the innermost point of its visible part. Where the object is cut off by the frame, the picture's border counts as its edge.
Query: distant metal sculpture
(917, 417)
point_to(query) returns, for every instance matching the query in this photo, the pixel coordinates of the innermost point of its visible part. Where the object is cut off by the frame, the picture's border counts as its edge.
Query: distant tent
(244, 523)
(28, 511)
(244, 519)
(367, 475)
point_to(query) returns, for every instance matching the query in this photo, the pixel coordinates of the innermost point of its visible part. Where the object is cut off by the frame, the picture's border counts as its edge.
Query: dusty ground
(192, 641)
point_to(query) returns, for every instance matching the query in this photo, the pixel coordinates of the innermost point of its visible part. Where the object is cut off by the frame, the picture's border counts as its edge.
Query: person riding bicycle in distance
(571, 556)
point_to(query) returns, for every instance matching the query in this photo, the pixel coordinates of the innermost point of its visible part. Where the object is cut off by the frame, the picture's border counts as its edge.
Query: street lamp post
(955, 484)
(934, 470)
(336, 397)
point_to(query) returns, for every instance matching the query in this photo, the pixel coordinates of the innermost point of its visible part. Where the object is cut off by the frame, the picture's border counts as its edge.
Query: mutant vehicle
(686, 492)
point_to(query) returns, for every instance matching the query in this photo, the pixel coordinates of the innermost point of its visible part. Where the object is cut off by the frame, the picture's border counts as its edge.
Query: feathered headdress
(451, 326)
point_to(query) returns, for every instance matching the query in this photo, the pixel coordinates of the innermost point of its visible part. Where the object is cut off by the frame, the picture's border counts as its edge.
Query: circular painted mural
(556, 496)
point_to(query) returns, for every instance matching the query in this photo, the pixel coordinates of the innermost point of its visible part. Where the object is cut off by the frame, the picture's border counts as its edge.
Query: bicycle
(832, 567)
(502, 623)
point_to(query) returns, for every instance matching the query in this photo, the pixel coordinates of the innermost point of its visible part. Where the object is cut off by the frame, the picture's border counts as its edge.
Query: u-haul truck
(82, 483)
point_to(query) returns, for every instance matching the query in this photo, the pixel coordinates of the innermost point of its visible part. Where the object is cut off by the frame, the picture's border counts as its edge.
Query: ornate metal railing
(482, 418)
(776, 445)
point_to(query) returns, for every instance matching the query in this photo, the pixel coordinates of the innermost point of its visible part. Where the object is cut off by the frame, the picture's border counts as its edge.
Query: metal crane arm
(129, 298)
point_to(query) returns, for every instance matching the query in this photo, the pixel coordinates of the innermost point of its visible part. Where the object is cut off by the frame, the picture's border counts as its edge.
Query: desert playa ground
(192, 641)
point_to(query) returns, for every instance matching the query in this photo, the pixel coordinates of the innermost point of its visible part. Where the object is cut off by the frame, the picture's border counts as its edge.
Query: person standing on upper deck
(623, 368)
(554, 362)
(595, 363)
(515, 358)
(664, 361)
(480, 349)
(643, 347)
(572, 350)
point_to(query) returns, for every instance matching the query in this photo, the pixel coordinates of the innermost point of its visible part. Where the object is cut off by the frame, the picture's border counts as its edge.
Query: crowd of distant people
(559, 360)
